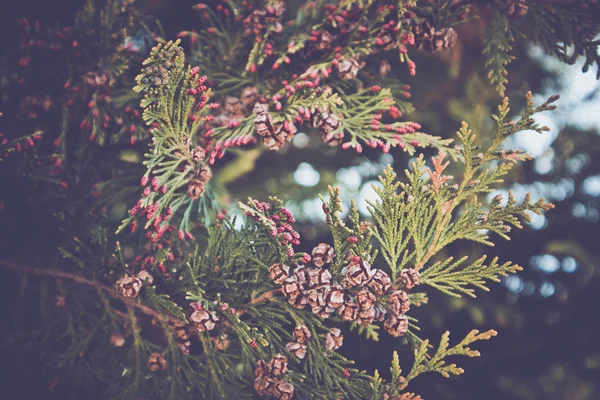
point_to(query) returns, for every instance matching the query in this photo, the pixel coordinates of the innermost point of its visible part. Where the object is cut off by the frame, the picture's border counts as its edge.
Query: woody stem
(61, 275)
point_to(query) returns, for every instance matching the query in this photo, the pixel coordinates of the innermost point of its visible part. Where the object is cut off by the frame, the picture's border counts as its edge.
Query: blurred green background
(549, 327)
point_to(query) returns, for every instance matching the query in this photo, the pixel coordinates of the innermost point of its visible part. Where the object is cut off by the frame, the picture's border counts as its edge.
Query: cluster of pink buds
(269, 378)
(362, 294)
(198, 92)
(279, 221)
(7, 148)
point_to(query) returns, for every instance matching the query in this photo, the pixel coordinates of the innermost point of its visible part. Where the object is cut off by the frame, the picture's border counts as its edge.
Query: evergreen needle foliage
(154, 291)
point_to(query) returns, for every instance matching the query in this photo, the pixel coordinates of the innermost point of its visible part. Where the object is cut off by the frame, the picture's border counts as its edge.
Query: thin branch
(61, 275)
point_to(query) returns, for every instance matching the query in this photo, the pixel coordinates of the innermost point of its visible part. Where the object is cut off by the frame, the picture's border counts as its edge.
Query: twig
(61, 275)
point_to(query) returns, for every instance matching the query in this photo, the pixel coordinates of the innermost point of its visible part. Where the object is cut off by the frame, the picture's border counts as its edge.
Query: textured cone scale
(249, 96)
(516, 8)
(204, 174)
(348, 68)
(379, 312)
(396, 325)
(358, 273)
(117, 340)
(322, 254)
(366, 317)
(279, 273)
(380, 283)
(195, 189)
(260, 108)
(297, 349)
(291, 287)
(60, 302)
(263, 124)
(278, 365)
(386, 40)
(319, 277)
(334, 296)
(302, 334)
(156, 362)
(430, 39)
(324, 41)
(129, 286)
(365, 299)
(334, 339)
(264, 385)
(349, 310)
(145, 277)
(233, 106)
(198, 154)
(298, 301)
(181, 337)
(398, 302)
(261, 369)
(329, 123)
(283, 390)
(222, 342)
(204, 320)
(409, 277)
(302, 274)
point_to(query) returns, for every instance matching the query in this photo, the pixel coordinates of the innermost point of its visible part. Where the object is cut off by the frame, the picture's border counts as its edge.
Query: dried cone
(182, 338)
(386, 39)
(302, 274)
(117, 340)
(322, 254)
(264, 385)
(60, 301)
(297, 349)
(157, 362)
(429, 39)
(204, 174)
(249, 96)
(366, 317)
(358, 273)
(198, 154)
(195, 189)
(261, 369)
(299, 301)
(302, 334)
(334, 339)
(409, 277)
(279, 273)
(384, 68)
(398, 302)
(380, 283)
(233, 106)
(204, 320)
(221, 342)
(334, 296)
(145, 277)
(396, 325)
(283, 390)
(365, 299)
(316, 300)
(349, 310)
(319, 278)
(348, 68)
(324, 41)
(379, 312)
(291, 287)
(278, 365)
(263, 124)
(516, 8)
(129, 286)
